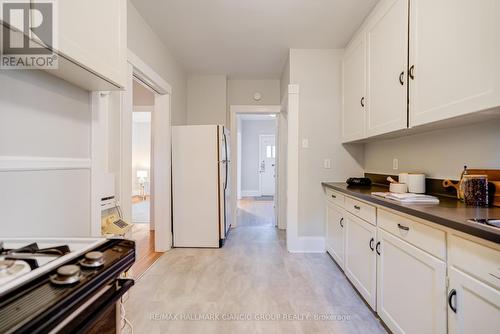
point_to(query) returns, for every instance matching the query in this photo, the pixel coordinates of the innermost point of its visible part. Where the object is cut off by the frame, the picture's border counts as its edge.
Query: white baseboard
(306, 245)
(26, 163)
(250, 193)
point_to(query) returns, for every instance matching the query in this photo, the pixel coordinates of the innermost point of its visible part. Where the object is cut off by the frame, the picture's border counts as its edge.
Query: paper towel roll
(416, 183)
(403, 178)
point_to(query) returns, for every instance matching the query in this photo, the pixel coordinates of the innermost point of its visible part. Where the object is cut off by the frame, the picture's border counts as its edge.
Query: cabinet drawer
(362, 210)
(424, 237)
(479, 261)
(335, 197)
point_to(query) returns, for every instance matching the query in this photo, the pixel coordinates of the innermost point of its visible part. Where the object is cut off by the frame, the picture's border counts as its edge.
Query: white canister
(403, 178)
(416, 183)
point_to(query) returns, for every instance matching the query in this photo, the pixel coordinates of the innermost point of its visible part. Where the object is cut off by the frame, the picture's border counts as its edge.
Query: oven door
(98, 314)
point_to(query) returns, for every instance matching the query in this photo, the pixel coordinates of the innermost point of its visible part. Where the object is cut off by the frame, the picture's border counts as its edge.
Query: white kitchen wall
(285, 80)
(318, 74)
(42, 116)
(206, 99)
(241, 92)
(250, 132)
(143, 41)
(440, 154)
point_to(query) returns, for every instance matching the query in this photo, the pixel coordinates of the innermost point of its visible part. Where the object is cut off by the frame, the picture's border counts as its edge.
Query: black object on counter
(476, 190)
(359, 181)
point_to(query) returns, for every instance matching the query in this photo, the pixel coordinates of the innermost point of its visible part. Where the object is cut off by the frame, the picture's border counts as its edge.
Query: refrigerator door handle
(226, 162)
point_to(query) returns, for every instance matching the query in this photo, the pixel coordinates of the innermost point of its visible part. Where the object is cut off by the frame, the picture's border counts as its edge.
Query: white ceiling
(250, 38)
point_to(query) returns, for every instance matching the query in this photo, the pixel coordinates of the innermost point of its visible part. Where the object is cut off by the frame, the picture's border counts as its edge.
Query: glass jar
(475, 189)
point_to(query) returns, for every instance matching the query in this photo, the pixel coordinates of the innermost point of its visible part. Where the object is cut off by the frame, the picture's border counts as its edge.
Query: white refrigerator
(200, 185)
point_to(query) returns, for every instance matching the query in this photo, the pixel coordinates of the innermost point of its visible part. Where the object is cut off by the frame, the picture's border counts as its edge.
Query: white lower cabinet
(335, 233)
(411, 287)
(473, 306)
(360, 259)
(401, 267)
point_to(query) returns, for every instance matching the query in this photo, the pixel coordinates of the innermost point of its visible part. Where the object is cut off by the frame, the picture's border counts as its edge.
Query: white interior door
(267, 164)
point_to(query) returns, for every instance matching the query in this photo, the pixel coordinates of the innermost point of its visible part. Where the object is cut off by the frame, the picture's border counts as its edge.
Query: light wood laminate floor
(252, 276)
(145, 254)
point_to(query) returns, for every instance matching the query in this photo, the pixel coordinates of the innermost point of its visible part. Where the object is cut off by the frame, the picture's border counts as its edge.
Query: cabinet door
(93, 34)
(354, 87)
(335, 233)
(387, 35)
(360, 259)
(473, 307)
(454, 48)
(410, 282)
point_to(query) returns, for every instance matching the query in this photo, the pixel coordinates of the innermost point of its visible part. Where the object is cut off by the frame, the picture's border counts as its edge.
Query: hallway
(252, 281)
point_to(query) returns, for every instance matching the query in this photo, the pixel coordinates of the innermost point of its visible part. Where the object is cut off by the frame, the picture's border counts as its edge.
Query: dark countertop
(450, 212)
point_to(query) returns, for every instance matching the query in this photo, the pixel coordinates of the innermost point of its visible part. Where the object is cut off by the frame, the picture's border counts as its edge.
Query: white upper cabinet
(387, 36)
(426, 61)
(454, 52)
(354, 93)
(92, 43)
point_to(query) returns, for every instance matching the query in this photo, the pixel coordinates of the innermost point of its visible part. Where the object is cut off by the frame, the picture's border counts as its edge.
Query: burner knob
(66, 275)
(68, 271)
(92, 260)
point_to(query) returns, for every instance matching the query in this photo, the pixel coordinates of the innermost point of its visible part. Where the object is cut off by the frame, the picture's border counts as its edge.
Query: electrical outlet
(327, 163)
(395, 164)
(305, 143)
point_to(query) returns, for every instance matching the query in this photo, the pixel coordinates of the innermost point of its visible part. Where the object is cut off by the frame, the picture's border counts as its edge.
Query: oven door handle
(86, 319)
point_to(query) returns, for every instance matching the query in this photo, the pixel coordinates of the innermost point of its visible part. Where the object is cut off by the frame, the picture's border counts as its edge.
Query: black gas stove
(78, 294)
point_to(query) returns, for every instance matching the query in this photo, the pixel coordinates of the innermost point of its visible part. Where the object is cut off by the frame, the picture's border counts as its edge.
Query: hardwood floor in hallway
(252, 285)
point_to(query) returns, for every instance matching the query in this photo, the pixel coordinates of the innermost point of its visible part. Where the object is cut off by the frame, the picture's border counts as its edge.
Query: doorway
(143, 231)
(152, 183)
(255, 132)
(143, 104)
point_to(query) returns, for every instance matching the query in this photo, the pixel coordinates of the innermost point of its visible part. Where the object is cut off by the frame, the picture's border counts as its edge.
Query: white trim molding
(27, 163)
(147, 75)
(255, 109)
(294, 242)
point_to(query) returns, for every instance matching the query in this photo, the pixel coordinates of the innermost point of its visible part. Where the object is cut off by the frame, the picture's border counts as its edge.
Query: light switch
(327, 163)
(305, 143)
(395, 164)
